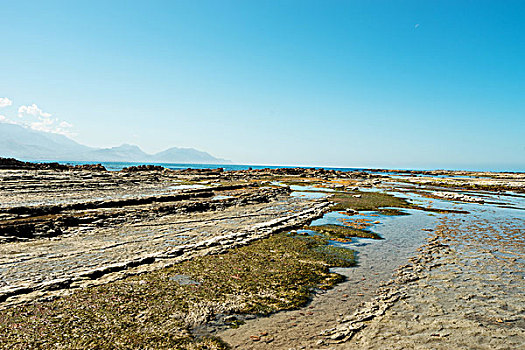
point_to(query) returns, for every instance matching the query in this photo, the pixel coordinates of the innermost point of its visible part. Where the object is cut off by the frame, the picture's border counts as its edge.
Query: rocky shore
(70, 230)
(463, 291)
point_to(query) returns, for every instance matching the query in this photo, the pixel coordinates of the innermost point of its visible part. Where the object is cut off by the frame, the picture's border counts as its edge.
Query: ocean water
(116, 166)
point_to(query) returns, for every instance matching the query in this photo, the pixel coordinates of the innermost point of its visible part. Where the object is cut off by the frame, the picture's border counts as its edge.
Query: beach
(282, 258)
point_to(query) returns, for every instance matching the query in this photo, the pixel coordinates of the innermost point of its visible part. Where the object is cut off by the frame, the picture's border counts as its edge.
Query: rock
(230, 318)
(11, 163)
(143, 168)
(458, 197)
(327, 331)
(337, 336)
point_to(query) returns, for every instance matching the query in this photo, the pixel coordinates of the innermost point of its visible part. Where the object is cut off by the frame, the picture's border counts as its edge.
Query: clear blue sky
(404, 84)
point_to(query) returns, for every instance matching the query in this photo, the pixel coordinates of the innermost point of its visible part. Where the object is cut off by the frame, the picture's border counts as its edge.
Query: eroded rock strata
(68, 228)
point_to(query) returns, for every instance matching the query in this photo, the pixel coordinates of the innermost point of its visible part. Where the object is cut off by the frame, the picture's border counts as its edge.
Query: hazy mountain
(186, 155)
(22, 143)
(124, 153)
(26, 144)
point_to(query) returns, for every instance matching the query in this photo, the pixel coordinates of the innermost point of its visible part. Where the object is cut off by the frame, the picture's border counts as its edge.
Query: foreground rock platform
(70, 228)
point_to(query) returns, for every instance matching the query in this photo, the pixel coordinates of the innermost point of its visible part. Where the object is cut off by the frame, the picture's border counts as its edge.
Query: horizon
(226, 165)
(361, 84)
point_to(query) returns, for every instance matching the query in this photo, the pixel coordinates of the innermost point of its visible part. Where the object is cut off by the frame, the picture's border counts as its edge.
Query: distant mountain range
(26, 144)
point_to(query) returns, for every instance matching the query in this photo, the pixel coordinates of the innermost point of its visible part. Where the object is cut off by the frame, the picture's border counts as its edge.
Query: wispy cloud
(32, 110)
(33, 117)
(52, 125)
(4, 102)
(4, 119)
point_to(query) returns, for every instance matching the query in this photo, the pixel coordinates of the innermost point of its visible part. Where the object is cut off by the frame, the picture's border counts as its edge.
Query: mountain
(22, 143)
(186, 155)
(26, 144)
(123, 153)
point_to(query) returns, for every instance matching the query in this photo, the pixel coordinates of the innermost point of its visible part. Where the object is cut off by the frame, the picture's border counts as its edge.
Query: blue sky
(403, 84)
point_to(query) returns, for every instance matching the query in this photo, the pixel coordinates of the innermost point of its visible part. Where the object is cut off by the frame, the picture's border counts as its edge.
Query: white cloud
(32, 110)
(52, 125)
(32, 117)
(4, 119)
(4, 102)
(45, 124)
(65, 125)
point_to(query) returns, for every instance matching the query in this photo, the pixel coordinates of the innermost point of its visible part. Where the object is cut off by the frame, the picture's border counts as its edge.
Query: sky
(393, 84)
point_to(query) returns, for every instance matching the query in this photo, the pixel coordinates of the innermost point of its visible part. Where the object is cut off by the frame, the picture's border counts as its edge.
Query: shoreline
(150, 201)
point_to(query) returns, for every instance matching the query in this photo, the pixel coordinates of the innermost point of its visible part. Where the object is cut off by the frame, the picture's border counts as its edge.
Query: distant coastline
(32, 145)
(119, 165)
(116, 166)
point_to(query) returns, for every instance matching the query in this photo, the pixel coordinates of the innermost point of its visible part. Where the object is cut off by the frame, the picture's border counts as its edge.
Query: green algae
(338, 253)
(367, 201)
(391, 212)
(381, 202)
(155, 311)
(344, 232)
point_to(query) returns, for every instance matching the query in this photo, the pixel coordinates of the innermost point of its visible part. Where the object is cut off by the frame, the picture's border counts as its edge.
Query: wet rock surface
(25, 222)
(31, 269)
(59, 228)
(430, 300)
(458, 197)
(63, 228)
(499, 182)
(465, 290)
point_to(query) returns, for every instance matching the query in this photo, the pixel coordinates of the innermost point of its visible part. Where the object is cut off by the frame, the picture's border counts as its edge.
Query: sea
(117, 166)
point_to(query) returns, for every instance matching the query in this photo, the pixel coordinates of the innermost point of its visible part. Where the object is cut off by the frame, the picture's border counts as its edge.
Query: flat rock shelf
(398, 260)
